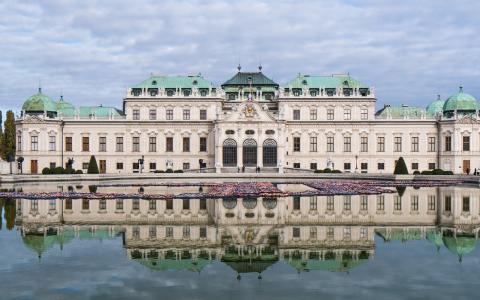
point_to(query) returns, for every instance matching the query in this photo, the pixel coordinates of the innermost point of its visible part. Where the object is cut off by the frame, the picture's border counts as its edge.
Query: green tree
(401, 167)
(10, 213)
(92, 166)
(9, 135)
(1, 133)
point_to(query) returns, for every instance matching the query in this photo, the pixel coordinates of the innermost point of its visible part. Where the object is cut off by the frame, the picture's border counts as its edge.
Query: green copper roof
(333, 81)
(331, 265)
(41, 243)
(62, 104)
(173, 82)
(158, 264)
(397, 112)
(39, 103)
(99, 111)
(460, 245)
(460, 102)
(247, 78)
(435, 107)
(435, 238)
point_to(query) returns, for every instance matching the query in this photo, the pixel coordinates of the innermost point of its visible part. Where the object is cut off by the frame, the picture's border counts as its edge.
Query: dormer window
(330, 92)
(313, 92)
(186, 92)
(347, 92)
(203, 93)
(136, 92)
(153, 92)
(297, 92)
(170, 92)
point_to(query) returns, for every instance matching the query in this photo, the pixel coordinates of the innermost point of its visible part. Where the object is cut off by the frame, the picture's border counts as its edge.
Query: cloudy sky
(91, 51)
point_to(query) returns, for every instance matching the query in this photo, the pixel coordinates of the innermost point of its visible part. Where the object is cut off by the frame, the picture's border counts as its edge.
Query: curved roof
(247, 78)
(435, 238)
(461, 102)
(400, 112)
(62, 104)
(435, 107)
(41, 243)
(173, 82)
(39, 103)
(460, 245)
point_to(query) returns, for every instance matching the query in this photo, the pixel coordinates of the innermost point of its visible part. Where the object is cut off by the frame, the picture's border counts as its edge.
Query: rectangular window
(347, 232)
(136, 114)
(186, 204)
(466, 204)
(102, 144)
(397, 203)
(203, 114)
(347, 144)
(135, 166)
(466, 143)
(152, 144)
(363, 233)
(431, 144)
(448, 203)
(19, 142)
(296, 114)
(85, 144)
(330, 203)
(153, 166)
(186, 114)
(85, 165)
(186, 232)
(203, 204)
(152, 231)
(347, 167)
(119, 204)
(330, 114)
(313, 166)
(186, 144)
(330, 144)
(330, 232)
(296, 144)
(136, 144)
(414, 203)
(34, 205)
(119, 166)
(68, 144)
(364, 114)
(169, 144)
(203, 232)
(313, 202)
(152, 114)
(313, 232)
(119, 144)
(68, 204)
(397, 147)
(432, 199)
(448, 143)
(414, 144)
(364, 144)
(414, 166)
(102, 204)
(169, 204)
(347, 203)
(431, 166)
(296, 232)
(364, 167)
(203, 144)
(313, 114)
(169, 232)
(296, 202)
(52, 143)
(363, 202)
(34, 143)
(380, 144)
(135, 204)
(381, 166)
(313, 144)
(85, 204)
(347, 114)
(380, 202)
(296, 165)
(169, 114)
(52, 204)
(186, 166)
(152, 204)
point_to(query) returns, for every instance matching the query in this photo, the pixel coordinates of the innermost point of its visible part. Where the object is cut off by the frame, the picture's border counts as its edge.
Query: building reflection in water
(334, 233)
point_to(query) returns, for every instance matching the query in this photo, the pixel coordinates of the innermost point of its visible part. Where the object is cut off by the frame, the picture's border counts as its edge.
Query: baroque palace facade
(313, 122)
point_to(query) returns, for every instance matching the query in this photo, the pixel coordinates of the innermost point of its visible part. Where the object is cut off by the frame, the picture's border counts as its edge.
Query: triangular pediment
(249, 111)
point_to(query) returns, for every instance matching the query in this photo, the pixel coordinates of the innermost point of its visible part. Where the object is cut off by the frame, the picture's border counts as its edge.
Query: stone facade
(313, 122)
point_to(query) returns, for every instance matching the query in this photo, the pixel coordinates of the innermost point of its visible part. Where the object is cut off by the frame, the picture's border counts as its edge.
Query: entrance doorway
(34, 166)
(466, 166)
(103, 166)
(250, 153)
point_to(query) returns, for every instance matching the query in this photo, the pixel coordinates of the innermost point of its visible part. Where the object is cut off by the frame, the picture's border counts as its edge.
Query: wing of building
(250, 121)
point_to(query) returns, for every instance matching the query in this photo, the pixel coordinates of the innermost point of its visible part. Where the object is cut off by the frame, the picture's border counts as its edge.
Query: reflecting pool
(415, 243)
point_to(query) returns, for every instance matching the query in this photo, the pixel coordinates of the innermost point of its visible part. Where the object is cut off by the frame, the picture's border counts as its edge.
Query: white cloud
(92, 50)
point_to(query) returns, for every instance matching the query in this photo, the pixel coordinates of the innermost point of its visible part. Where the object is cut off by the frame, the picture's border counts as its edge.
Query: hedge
(401, 167)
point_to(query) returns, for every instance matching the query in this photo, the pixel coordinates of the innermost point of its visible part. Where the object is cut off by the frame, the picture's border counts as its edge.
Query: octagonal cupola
(461, 104)
(40, 104)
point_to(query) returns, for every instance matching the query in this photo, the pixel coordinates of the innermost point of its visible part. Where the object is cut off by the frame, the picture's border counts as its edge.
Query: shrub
(169, 171)
(427, 172)
(336, 171)
(78, 172)
(57, 170)
(178, 171)
(92, 188)
(400, 167)
(92, 166)
(69, 171)
(327, 170)
(447, 173)
(46, 171)
(401, 190)
(437, 172)
(416, 172)
(318, 171)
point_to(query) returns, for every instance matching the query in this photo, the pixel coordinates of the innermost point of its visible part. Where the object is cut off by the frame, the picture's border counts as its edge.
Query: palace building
(250, 121)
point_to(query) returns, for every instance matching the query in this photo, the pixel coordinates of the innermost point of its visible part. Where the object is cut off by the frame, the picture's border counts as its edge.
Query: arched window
(230, 153)
(270, 153)
(229, 202)
(250, 202)
(249, 152)
(269, 202)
